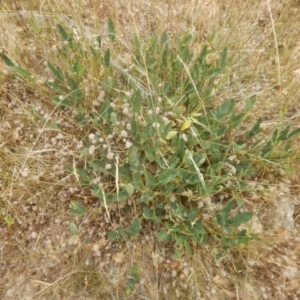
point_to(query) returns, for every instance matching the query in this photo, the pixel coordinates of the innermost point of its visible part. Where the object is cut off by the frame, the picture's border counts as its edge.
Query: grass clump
(159, 145)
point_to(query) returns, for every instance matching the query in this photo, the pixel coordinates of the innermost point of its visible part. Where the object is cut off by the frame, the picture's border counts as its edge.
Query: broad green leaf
(65, 36)
(224, 110)
(294, 133)
(236, 120)
(22, 72)
(206, 145)
(146, 197)
(239, 145)
(284, 134)
(130, 189)
(56, 72)
(73, 228)
(7, 61)
(107, 58)
(111, 29)
(150, 154)
(187, 247)
(57, 87)
(266, 151)
(164, 236)
(106, 110)
(113, 118)
(255, 130)
(138, 184)
(186, 55)
(150, 179)
(148, 214)
(96, 191)
(167, 189)
(211, 73)
(137, 102)
(57, 101)
(81, 209)
(239, 201)
(134, 229)
(222, 215)
(73, 85)
(221, 130)
(193, 214)
(112, 236)
(186, 124)
(135, 129)
(78, 210)
(78, 69)
(164, 38)
(165, 129)
(121, 196)
(240, 219)
(275, 135)
(133, 160)
(249, 103)
(154, 79)
(173, 162)
(197, 228)
(167, 176)
(223, 58)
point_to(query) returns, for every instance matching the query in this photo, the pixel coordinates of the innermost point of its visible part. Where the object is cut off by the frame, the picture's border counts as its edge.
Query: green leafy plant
(134, 279)
(78, 211)
(163, 140)
(6, 219)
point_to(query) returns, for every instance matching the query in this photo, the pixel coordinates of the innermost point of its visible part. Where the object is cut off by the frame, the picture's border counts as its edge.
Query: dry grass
(39, 259)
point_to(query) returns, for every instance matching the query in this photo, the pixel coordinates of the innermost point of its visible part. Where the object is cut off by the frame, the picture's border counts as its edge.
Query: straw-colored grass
(39, 258)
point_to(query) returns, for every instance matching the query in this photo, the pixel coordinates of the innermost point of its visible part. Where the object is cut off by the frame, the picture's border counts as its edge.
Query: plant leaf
(148, 214)
(222, 215)
(164, 38)
(150, 179)
(111, 29)
(56, 72)
(186, 124)
(7, 61)
(163, 236)
(240, 219)
(249, 103)
(171, 134)
(223, 58)
(129, 189)
(73, 228)
(22, 72)
(65, 36)
(133, 160)
(107, 57)
(78, 210)
(134, 229)
(255, 130)
(137, 102)
(294, 133)
(167, 176)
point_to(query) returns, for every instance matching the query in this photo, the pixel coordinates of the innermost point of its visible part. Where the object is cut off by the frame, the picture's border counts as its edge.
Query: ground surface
(40, 259)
